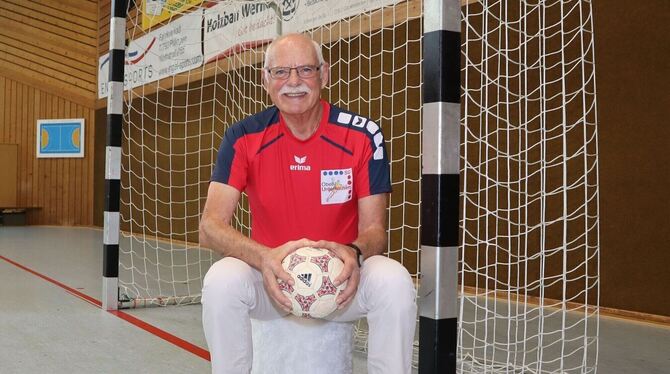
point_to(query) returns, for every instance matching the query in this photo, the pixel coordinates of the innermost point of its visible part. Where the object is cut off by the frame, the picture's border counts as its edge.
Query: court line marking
(173, 339)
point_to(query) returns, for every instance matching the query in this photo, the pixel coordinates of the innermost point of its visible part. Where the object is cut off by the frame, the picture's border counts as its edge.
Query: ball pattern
(313, 293)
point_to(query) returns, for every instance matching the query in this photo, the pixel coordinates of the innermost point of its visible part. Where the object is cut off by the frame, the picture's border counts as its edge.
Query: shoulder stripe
(340, 117)
(269, 143)
(255, 123)
(341, 147)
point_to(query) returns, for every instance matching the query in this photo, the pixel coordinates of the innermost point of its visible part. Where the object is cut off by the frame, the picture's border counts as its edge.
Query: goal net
(529, 261)
(173, 124)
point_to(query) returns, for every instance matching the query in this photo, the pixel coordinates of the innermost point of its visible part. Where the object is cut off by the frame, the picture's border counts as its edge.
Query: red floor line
(57, 283)
(179, 342)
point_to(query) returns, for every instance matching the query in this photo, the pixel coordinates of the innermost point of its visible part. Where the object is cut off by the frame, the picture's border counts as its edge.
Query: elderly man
(315, 175)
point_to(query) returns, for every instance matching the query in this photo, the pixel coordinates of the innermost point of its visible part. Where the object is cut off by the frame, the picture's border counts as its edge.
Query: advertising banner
(157, 11)
(231, 28)
(169, 50)
(301, 15)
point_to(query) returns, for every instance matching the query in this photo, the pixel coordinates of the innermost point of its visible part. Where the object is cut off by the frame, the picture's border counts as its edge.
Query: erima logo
(306, 279)
(300, 161)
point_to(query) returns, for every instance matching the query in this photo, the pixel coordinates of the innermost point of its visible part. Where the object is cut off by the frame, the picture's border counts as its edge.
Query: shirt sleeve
(374, 170)
(231, 162)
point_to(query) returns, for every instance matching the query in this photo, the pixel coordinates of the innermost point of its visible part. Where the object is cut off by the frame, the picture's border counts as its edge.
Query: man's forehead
(295, 40)
(301, 56)
(295, 48)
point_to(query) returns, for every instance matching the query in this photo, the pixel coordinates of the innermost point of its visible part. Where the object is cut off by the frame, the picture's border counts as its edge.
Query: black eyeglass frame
(273, 70)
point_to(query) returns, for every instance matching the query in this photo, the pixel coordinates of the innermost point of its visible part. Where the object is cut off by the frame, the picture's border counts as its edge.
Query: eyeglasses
(283, 72)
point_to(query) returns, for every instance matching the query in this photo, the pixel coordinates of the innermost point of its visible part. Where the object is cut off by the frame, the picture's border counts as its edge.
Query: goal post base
(437, 345)
(110, 293)
(126, 302)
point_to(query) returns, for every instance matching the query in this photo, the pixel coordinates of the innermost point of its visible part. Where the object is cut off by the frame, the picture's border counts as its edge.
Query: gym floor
(51, 320)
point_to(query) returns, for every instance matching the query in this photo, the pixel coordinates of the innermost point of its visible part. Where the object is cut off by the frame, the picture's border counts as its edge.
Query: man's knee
(227, 279)
(391, 281)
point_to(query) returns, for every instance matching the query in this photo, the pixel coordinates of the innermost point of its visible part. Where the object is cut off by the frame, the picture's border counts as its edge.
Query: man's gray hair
(270, 50)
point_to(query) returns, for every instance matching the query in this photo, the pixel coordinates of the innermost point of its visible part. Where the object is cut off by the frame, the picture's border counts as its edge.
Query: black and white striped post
(438, 290)
(117, 55)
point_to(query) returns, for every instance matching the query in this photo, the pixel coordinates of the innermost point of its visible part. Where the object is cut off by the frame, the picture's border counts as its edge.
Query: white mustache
(302, 88)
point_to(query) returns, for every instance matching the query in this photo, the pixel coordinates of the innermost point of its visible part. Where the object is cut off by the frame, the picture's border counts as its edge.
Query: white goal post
(528, 245)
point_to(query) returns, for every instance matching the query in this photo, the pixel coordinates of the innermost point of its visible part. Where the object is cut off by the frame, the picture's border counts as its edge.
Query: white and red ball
(313, 270)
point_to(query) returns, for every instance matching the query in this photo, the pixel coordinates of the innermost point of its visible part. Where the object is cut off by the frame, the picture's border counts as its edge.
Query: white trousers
(233, 293)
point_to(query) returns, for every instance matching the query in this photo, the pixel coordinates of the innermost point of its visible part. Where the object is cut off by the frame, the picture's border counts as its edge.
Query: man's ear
(264, 79)
(325, 74)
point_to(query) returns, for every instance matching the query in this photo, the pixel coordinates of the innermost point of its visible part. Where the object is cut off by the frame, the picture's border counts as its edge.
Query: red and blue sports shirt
(304, 188)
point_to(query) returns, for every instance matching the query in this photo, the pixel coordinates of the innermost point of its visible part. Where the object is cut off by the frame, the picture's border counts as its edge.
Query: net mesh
(174, 127)
(529, 170)
(529, 259)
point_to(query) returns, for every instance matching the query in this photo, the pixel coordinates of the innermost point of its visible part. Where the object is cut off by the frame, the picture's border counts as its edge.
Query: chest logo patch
(300, 164)
(337, 186)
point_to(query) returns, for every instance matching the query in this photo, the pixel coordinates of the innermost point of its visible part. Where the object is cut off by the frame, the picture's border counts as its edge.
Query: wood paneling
(62, 187)
(51, 45)
(56, 22)
(104, 11)
(48, 70)
(8, 172)
(633, 76)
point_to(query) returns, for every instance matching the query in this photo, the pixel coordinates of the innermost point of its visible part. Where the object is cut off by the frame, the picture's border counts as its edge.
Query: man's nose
(293, 77)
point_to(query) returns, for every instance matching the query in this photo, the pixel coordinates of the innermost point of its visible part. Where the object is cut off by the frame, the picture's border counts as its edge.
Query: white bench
(294, 345)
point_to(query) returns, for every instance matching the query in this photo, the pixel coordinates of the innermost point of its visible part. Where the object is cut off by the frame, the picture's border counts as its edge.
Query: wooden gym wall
(48, 70)
(633, 76)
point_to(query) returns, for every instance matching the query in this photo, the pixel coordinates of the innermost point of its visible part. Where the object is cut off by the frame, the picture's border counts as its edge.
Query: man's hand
(350, 273)
(272, 270)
